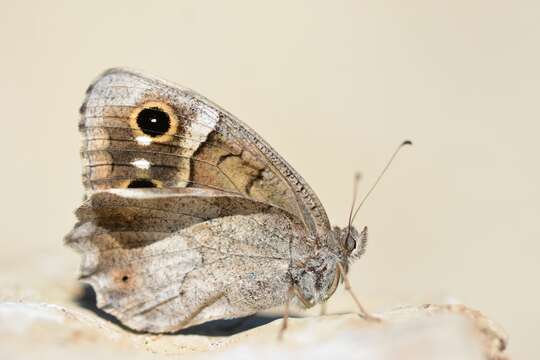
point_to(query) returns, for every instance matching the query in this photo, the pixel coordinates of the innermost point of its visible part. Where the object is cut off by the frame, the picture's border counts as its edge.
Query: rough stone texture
(49, 331)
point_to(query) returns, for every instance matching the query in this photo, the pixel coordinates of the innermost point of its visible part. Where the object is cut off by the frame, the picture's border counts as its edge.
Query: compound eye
(350, 243)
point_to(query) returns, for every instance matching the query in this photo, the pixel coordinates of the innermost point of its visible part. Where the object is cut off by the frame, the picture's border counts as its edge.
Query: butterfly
(190, 216)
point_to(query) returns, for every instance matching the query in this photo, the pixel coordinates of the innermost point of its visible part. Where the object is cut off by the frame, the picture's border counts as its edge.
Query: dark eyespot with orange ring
(155, 121)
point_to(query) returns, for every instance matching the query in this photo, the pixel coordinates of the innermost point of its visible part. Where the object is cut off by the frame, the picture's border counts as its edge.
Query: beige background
(334, 86)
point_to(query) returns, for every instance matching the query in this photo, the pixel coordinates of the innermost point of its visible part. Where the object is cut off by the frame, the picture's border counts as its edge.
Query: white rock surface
(34, 330)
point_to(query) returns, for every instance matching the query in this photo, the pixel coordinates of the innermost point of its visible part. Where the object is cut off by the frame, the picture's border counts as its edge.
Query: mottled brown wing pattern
(164, 259)
(143, 132)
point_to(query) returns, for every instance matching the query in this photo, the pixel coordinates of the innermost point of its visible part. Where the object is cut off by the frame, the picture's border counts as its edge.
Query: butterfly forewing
(143, 132)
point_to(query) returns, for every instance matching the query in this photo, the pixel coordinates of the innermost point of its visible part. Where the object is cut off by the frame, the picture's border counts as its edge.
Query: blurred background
(334, 87)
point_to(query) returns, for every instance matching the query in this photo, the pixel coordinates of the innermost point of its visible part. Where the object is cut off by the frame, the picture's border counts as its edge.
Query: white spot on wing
(141, 164)
(144, 140)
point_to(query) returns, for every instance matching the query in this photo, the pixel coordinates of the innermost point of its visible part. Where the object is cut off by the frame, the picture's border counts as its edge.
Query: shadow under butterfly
(216, 328)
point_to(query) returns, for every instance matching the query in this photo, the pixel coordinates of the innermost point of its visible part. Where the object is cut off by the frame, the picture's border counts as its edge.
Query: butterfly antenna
(406, 142)
(356, 180)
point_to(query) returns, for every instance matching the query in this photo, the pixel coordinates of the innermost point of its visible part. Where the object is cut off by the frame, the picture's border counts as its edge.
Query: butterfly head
(352, 243)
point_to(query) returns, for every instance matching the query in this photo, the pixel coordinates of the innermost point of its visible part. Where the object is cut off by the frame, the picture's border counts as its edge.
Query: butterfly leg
(348, 287)
(285, 322)
(323, 309)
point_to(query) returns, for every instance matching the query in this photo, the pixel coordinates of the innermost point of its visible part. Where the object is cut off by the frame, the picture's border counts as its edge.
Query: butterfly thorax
(317, 276)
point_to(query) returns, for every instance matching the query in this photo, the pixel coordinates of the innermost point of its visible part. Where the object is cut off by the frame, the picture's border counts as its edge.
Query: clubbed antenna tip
(353, 216)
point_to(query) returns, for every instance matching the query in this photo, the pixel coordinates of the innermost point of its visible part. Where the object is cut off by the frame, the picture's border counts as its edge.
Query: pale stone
(445, 332)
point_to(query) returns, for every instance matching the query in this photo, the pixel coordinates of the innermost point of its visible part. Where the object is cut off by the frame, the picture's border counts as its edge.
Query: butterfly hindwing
(161, 260)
